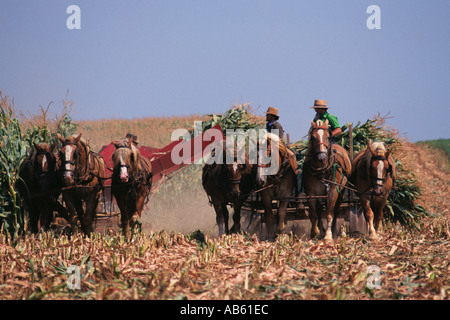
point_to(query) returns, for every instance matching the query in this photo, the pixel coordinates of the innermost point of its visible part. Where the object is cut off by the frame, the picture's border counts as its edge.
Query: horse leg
(282, 210)
(237, 217)
(331, 204)
(313, 218)
(219, 215)
(266, 197)
(368, 214)
(140, 202)
(337, 208)
(46, 215)
(63, 212)
(80, 212)
(378, 216)
(91, 210)
(68, 199)
(226, 216)
(122, 204)
(34, 218)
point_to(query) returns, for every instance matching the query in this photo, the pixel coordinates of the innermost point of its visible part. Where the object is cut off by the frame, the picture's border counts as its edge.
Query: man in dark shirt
(272, 122)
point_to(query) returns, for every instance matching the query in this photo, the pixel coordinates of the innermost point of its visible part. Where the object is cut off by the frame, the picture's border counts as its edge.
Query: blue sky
(134, 59)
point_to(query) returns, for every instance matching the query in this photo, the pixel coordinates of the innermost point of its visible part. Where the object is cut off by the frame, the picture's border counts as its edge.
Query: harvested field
(175, 266)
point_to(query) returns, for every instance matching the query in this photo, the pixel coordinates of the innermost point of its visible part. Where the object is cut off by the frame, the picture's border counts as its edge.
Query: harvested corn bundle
(237, 117)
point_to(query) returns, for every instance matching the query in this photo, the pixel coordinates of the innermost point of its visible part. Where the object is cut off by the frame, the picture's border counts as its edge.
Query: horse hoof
(235, 230)
(314, 234)
(373, 237)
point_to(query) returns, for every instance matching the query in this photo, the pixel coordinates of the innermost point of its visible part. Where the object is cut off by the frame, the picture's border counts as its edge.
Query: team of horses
(327, 172)
(78, 174)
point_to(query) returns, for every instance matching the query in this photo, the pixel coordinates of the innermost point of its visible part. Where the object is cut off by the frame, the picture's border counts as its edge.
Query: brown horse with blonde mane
(37, 184)
(82, 174)
(278, 183)
(373, 175)
(131, 181)
(326, 170)
(228, 183)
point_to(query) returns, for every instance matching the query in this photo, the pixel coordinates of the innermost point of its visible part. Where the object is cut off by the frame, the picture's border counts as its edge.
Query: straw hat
(273, 111)
(320, 104)
(132, 137)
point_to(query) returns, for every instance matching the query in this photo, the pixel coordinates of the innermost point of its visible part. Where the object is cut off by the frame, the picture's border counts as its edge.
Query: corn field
(15, 146)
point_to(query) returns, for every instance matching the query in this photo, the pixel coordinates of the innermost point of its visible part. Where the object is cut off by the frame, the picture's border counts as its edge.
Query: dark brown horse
(228, 183)
(131, 182)
(82, 174)
(326, 170)
(276, 183)
(37, 184)
(373, 175)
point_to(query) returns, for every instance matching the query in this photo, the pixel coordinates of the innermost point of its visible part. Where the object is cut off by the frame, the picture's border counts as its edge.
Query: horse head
(44, 164)
(70, 157)
(320, 140)
(126, 158)
(380, 165)
(235, 168)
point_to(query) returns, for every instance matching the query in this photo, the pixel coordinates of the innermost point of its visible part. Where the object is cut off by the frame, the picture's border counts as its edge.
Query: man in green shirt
(320, 106)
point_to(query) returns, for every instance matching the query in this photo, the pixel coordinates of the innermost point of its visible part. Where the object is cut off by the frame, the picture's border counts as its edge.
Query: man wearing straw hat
(272, 121)
(320, 106)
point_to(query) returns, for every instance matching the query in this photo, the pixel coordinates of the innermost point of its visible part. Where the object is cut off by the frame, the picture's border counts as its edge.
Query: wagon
(350, 219)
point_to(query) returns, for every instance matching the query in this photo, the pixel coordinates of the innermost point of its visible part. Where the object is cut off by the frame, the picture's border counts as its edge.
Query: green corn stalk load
(237, 117)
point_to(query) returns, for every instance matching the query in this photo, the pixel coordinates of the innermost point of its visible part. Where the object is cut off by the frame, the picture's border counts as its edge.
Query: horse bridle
(71, 162)
(328, 146)
(233, 181)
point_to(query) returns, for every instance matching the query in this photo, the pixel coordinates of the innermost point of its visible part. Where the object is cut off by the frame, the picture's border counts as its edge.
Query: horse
(228, 183)
(82, 173)
(280, 184)
(37, 184)
(373, 175)
(326, 170)
(131, 181)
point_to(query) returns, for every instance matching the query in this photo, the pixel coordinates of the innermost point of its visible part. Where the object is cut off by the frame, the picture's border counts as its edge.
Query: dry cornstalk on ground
(401, 265)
